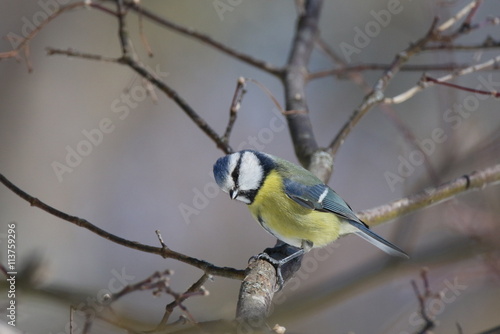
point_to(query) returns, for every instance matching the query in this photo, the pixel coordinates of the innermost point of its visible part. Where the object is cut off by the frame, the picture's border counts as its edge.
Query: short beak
(233, 193)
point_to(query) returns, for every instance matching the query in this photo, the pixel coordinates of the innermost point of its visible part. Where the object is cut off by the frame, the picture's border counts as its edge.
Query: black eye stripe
(236, 171)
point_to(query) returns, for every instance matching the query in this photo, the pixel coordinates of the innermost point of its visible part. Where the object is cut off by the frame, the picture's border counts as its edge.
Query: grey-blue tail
(377, 240)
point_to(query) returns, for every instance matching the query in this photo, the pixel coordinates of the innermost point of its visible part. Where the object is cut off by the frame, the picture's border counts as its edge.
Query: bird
(291, 203)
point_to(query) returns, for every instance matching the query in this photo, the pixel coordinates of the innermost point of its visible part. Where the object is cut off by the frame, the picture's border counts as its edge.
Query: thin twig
(467, 89)
(162, 243)
(344, 71)
(144, 39)
(421, 85)
(83, 55)
(23, 45)
(461, 13)
(122, 30)
(422, 298)
(155, 281)
(468, 20)
(161, 85)
(269, 94)
(486, 45)
(194, 288)
(164, 252)
(239, 92)
(171, 93)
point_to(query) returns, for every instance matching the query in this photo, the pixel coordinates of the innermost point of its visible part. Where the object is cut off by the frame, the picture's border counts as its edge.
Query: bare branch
(343, 71)
(429, 197)
(196, 288)
(467, 89)
(164, 252)
(83, 55)
(461, 13)
(156, 281)
(295, 78)
(263, 65)
(235, 107)
(377, 94)
(422, 298)
(170, 92)
(24, 43)
(158, 83)
(144, 39)
(422, 84)
(122, 30)
(489, 43)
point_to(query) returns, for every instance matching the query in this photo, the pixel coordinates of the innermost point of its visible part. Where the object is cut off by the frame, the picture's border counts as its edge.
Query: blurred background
(152, 167)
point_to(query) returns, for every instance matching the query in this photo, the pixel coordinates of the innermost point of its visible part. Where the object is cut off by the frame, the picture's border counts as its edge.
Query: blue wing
(320, 197)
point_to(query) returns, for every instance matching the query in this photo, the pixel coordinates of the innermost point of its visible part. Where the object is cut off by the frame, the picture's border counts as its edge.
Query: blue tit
(291, 203)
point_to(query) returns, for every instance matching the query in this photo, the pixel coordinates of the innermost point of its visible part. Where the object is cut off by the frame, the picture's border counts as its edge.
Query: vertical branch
(235, 106)
(294, 81)
(122, 30)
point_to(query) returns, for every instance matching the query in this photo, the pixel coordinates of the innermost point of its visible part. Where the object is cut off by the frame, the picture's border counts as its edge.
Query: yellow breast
(290, 221)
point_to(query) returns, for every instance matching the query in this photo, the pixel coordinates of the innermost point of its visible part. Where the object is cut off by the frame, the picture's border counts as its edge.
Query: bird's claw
(277, 266)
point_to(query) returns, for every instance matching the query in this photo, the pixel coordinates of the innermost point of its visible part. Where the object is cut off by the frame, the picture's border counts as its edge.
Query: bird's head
(241, 174)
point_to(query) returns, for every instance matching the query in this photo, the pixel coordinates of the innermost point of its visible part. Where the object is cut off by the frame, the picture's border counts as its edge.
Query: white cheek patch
(251, 172)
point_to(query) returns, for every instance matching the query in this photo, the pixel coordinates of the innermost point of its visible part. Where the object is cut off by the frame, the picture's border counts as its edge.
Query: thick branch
(163, 251)
(294, 81)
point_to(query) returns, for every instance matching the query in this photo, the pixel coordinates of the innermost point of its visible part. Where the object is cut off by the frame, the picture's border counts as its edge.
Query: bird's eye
(235, 174)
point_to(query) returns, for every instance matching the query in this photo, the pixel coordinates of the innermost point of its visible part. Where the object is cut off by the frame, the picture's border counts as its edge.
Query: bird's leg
(277, 264)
